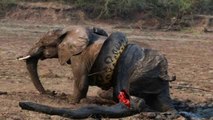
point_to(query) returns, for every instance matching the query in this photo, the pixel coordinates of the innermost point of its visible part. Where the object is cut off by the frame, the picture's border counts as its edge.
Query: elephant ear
(52, 37)
(73, 44)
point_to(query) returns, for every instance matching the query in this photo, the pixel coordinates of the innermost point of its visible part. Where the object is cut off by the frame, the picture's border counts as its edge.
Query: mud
(189, 55)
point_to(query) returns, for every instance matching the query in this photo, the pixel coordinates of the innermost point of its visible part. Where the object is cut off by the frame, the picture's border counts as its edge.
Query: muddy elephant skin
(136, 71)
(53, 44)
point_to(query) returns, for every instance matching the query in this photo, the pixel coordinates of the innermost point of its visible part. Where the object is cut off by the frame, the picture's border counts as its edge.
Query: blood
(123, 98)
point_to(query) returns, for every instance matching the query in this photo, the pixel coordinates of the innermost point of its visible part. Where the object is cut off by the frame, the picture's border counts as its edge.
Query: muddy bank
(52, 12)
(189, 58)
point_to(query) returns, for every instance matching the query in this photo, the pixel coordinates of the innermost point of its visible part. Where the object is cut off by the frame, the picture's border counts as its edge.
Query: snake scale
(102, 70)
(141, 72)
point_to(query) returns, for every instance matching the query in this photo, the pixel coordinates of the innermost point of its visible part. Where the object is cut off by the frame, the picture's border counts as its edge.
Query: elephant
(50, 46)
(137, 75)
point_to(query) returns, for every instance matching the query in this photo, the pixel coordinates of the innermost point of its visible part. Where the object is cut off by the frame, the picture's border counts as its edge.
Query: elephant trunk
(31, 59)
(32, 68)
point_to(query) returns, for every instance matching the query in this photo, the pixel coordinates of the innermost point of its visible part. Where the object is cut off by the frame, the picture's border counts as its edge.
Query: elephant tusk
(24, 58)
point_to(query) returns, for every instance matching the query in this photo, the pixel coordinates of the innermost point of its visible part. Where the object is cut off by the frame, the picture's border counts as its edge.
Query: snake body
(127, 66)
(104, 65)
(94, 111)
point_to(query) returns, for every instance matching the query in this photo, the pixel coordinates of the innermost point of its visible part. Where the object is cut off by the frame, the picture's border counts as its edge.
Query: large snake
(95, 111)
(101, 75)
(116, 54)
(104, 65)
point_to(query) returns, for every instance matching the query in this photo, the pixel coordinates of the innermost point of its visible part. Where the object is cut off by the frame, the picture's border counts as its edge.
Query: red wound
(123, 98)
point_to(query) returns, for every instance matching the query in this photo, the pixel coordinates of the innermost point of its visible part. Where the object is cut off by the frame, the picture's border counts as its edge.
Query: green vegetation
(158, 8)
(128, 9)
(5, 5)
(110, 8)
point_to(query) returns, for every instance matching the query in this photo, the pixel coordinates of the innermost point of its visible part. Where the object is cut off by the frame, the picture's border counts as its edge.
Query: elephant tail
(95, 111)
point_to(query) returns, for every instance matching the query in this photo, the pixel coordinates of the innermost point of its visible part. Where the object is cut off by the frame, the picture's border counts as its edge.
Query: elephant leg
(79, 93)
(121, 87)
(81, 86)
(162, 102)
(123, 72)
(121, 82)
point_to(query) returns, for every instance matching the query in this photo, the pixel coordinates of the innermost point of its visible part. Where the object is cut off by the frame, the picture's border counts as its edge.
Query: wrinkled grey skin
(141, 72)
(76, 45)
(40, 51)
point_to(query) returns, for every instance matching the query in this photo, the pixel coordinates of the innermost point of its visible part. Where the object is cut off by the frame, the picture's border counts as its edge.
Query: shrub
(203, 6)
(109, 8)
(127, 8)
(5, 5)
(169, 8)
(159, 8)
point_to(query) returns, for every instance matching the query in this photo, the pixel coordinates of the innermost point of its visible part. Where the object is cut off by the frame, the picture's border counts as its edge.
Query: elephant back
(103, 67)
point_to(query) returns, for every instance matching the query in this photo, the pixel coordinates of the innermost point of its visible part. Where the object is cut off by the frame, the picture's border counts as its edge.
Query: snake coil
(104, 65)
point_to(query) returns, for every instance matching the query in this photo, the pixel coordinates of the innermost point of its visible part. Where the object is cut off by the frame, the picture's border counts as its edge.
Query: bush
(169, 8)
(127, 8)
(5, 5)
(203, 6)
(109, 8)
(159, 8)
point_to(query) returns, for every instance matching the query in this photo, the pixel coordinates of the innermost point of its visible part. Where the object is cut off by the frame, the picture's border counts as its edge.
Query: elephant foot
(164, 106)
(72, 99)
(106, 94)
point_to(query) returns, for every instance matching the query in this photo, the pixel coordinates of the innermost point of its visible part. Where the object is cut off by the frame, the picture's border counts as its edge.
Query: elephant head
(59, 43)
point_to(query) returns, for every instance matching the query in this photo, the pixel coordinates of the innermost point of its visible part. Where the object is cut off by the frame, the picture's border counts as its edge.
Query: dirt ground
(189, 53)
